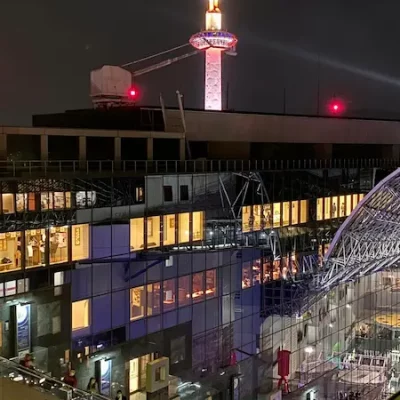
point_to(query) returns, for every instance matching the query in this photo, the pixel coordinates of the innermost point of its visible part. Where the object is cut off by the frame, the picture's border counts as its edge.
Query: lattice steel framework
(369, 240)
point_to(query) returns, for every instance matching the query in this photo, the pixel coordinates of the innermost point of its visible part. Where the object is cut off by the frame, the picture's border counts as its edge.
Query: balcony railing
(75, 167)
(41, 382)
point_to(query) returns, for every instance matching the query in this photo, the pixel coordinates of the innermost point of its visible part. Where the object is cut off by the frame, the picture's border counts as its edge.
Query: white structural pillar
(213, 80)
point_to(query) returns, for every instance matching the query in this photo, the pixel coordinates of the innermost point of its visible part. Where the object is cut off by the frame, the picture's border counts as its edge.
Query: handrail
(45, 380)
(148, 167)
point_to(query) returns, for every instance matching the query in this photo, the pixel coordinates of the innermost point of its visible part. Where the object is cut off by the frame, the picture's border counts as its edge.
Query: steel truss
(234, 204)
(110, 192)
(369, 240)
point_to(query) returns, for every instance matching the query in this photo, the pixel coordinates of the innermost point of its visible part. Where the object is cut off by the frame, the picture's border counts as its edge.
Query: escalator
(17, 382)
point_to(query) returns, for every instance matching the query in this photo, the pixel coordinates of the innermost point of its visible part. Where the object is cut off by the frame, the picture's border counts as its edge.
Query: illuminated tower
(213, 40)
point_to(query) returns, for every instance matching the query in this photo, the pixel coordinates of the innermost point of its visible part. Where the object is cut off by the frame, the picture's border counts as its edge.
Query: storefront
(136, 374)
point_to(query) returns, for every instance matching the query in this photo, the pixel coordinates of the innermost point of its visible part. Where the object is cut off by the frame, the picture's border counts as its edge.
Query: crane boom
(163, 64)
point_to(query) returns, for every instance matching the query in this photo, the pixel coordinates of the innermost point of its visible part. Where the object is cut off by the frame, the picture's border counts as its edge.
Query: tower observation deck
(213, 40)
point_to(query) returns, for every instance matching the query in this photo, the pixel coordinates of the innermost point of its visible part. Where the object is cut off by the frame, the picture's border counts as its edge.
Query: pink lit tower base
(213, 40)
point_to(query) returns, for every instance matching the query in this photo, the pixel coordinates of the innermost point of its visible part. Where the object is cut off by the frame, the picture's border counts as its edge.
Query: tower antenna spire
(214, 41)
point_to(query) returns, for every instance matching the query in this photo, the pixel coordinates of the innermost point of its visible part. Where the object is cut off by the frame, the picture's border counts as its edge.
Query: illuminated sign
(23, 329)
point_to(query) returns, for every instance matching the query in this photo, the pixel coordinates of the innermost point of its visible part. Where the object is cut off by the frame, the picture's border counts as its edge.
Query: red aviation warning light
(336, 107)
(133, 93)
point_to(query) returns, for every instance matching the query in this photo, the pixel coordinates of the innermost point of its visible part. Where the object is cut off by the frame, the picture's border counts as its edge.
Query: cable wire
(155, 55)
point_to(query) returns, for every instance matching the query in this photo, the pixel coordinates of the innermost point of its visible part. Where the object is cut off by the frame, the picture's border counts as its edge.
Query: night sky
(49, 47)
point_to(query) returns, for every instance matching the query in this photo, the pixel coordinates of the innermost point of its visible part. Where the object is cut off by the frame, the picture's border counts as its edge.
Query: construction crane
(113, 85)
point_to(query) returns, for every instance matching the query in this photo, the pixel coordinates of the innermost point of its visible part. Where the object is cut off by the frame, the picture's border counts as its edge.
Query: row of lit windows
(21, 202)
(337, 206)
(262, 271)
(171, 229)
(155, 298)
(289, 213)
(29, 250)
(267, 216)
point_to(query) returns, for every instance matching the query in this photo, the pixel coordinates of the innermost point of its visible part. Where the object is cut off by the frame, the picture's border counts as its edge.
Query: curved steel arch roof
(369, 239)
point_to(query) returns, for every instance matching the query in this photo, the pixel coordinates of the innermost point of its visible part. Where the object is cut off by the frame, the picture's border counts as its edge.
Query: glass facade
(201, 274)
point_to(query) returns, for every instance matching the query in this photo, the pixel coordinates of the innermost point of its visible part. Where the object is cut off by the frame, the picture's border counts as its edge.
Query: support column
(3, 146)
(117, 152)
(150, 149)
(182, 149)
(82, 151)
(391, 151)
(323, 151)
(44, 147)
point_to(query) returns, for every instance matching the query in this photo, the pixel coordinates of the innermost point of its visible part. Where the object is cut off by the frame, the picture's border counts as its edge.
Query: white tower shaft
(213, 80)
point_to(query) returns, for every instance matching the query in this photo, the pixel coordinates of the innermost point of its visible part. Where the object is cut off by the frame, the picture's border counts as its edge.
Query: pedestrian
(120, 396)
(70, 378)
(92, 386)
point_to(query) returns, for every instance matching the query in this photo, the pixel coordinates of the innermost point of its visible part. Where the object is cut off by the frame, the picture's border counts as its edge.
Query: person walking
(92, 386)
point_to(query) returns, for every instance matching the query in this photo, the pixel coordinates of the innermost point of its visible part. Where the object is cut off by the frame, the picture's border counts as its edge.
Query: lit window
(59, 201)
(8, 203)
(257, 211)
(247, 222)
(355, 201)
(138, 301)
(348, 205)
(246, 275)
(266, 222)
(139, 194)
(21, 200)
(67, 199)
(137, 233)
(327, 208)
(184, 292)
(286, 213)
(85, 199)
(80, 242)
(198, 287)
(169, 294)
(334, 207)
(35, 248)
(10, 251)
(80, 314)
(198, 225)
(31, 202)
(169, 230)
(153, 232)
(303, 211)
(211, 283)
(256, 271)
(267, 271)
(277, 215)
(153, 298)
(184, 228)
(47, 200)
(342, 208)
(320, 209)
(58, 244)
(295, 212)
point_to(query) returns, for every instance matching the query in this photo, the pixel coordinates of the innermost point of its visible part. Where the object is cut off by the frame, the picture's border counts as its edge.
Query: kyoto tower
(213, 40)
